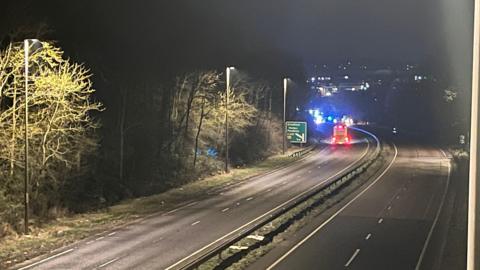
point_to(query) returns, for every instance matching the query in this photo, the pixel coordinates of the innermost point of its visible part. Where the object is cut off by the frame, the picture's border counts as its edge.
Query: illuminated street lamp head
(231, 68)
(32, 45)
(32, 41)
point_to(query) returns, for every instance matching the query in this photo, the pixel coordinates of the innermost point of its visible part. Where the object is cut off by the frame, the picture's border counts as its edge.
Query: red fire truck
(340, 134)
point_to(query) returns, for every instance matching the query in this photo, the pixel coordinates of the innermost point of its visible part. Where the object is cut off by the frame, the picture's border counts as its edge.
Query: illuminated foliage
(61, 127)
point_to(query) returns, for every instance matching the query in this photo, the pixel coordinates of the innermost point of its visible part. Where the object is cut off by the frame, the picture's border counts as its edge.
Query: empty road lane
(386, 226)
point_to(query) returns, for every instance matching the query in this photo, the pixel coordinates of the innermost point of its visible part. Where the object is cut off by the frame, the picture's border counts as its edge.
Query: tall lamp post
(27, 43)
(285, 85)
(472, 242)
(226, 117)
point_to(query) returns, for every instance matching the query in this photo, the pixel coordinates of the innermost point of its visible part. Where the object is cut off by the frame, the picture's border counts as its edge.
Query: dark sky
(177, 35)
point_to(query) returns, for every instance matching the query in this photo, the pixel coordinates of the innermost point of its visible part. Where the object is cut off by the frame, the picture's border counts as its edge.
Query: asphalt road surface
(168, 240)
(386, 225)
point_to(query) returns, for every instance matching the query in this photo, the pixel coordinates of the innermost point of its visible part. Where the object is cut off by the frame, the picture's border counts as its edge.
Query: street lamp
(472, 244)
(226, 117)
(285, 85)
(27, 44)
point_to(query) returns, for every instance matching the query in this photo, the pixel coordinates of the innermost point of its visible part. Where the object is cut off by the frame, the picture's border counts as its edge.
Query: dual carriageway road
(391, 216)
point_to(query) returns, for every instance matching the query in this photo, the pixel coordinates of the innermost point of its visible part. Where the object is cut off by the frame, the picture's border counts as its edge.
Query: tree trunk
(14, 131)
(123, 113)
(269, 139)
(202, 115)
(191, 96)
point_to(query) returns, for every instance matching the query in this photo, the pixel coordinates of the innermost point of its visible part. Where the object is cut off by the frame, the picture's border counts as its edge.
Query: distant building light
(313, 79)
(346, 77)
(419, 77)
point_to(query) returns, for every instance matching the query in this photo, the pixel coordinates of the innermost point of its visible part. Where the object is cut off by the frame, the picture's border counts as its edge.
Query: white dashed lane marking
(109, 262)
(353, 257)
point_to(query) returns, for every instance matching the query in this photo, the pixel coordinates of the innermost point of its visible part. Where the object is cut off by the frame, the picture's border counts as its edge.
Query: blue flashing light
(329, 118)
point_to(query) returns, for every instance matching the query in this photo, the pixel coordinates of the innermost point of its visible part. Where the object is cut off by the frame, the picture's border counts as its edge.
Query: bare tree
(60, 122)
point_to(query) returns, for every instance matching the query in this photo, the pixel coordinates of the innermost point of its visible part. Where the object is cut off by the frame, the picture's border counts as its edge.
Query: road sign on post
(296, 132)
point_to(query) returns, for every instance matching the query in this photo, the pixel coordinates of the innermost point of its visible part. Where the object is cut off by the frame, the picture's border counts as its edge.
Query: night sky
(268, 36)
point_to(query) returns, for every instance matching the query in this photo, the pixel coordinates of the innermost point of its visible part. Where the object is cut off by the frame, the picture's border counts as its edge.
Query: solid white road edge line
(191, 204)
(269, 212)
(336, 213)
(46, 259)
(429, 236)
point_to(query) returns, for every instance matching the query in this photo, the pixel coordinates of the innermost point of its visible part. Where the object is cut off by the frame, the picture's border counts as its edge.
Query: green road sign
(296, 132)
